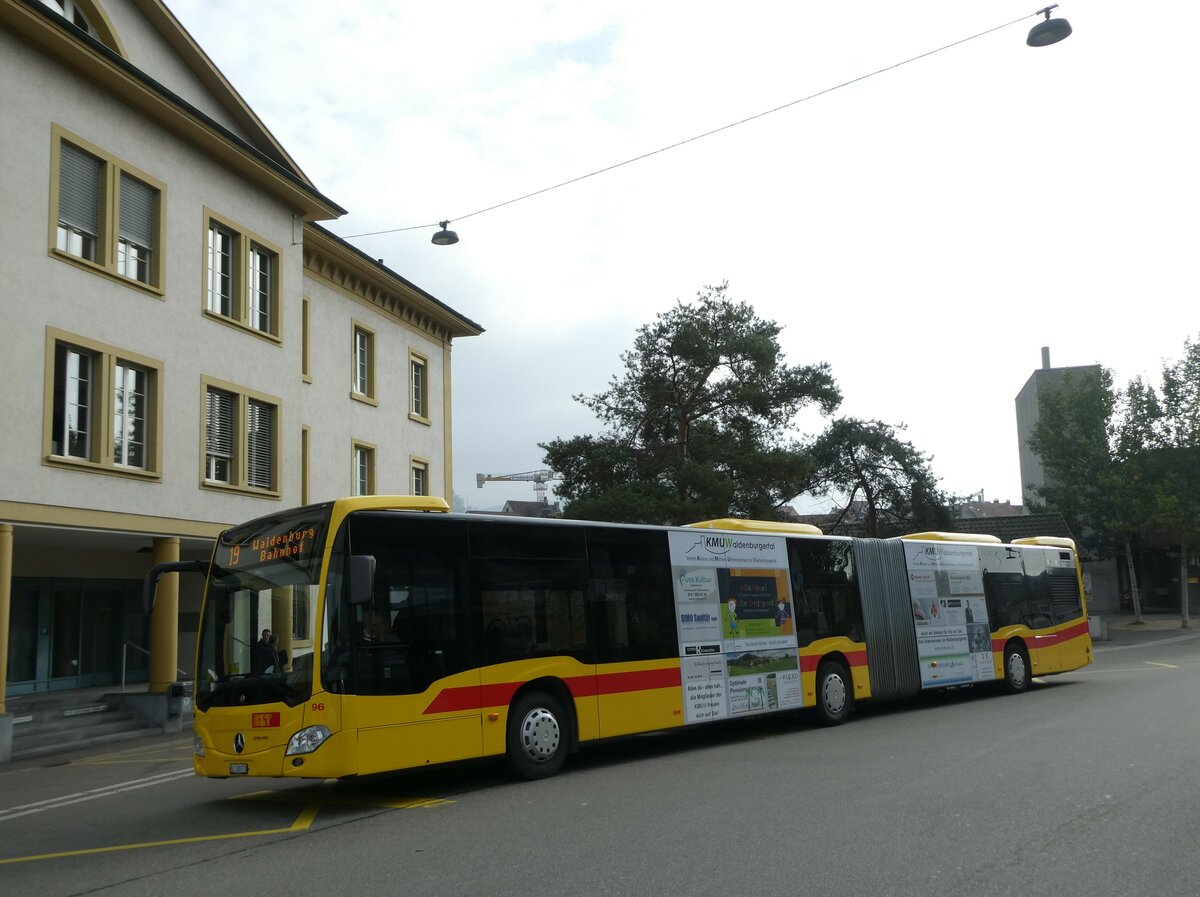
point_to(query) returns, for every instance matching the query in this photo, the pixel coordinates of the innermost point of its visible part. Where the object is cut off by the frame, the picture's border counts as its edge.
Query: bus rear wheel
(835, 693)
(1016, 669)
(537, 736)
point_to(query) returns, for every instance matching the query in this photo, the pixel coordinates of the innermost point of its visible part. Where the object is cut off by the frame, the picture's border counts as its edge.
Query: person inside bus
(378, 628)
(262, 654)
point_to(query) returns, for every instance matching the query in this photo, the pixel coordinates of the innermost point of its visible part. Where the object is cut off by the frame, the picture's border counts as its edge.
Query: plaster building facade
(186, 347)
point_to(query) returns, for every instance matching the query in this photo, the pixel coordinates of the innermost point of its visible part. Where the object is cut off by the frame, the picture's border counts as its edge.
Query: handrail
(124, 655)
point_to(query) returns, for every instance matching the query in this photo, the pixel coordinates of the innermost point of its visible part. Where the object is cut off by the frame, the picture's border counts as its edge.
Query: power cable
(680, 143)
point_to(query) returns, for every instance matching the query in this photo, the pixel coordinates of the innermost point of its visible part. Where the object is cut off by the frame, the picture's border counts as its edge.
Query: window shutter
(79, 189)
(137, 211)
(220, 424)
(260, 445)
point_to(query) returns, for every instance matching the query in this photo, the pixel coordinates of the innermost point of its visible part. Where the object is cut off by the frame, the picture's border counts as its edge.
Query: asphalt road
(1086, 785)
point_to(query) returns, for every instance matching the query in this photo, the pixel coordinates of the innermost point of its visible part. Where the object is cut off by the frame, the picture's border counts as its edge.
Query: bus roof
(757, 526)
(1050, 541)
(394, 503)
(950, 537)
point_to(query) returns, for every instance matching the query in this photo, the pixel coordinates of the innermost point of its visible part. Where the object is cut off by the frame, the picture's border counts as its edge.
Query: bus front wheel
(1016, 669)
(537, 736)
(835, 693)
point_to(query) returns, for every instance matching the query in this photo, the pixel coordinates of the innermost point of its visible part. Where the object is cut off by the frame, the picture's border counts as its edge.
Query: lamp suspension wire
(685, 142)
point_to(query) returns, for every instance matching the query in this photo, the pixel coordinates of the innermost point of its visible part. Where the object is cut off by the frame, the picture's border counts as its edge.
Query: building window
(418, 383)
(220, 271)
(362, 381)
(305, 337)
(364, 469)
(241, 277)
(420, 477)
(70, 11)
(129, 415)
(305, 460)
(107, 214)
(241, 439)
(136, 228)
(218, 430)
(72, 403)
(103, 406)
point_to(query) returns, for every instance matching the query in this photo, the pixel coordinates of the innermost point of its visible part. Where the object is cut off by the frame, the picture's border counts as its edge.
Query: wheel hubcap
(1016, 669)
(540, 734)
(834, 693)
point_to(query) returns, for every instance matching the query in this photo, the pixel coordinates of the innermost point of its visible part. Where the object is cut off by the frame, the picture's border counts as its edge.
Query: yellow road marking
(312, 806)
(118, 847)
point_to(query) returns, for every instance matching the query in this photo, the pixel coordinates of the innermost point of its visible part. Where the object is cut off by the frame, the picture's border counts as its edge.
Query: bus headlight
(198, 745)
(307, 740)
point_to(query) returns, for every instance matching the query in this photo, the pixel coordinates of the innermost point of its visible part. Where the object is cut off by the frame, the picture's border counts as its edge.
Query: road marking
(312, 806)
(1169, 666)
(297, 826)
(79, 797)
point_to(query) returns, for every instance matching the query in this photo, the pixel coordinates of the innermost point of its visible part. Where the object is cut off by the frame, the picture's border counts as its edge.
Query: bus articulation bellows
(402, 635)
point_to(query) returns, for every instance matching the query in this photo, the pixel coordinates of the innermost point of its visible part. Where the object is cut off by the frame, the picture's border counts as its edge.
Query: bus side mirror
(362, 578)
(150, 583)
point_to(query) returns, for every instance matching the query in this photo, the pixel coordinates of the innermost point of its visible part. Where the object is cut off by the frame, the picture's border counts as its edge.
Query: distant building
(974, 510)
(1033, 474)
(527, 509)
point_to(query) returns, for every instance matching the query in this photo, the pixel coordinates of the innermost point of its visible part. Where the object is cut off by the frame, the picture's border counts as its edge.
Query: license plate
(239, 769)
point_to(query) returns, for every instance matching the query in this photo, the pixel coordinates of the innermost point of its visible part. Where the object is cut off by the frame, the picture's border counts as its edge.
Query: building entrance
(72, 633)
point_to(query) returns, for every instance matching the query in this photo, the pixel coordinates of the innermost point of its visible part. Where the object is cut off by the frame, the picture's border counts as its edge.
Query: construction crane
(539, 478)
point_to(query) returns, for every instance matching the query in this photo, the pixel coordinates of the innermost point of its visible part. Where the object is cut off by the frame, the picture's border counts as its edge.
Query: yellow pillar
(281, 621)
(6, 540)
(164, 620)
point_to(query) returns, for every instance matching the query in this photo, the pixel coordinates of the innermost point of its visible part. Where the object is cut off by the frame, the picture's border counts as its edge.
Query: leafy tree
(1092, 441)
(693, 423)
(1177, 460)
(869, 467)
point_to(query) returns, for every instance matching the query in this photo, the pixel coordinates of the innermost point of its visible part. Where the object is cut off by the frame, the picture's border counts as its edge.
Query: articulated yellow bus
(401, 635)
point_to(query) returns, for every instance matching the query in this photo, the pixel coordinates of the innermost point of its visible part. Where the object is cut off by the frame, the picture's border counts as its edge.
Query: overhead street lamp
(1049, 31)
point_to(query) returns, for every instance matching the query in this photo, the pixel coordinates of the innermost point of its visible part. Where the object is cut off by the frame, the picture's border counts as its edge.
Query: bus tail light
(307, 740)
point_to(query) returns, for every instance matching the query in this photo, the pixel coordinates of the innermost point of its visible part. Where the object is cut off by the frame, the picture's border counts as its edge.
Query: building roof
(1009, 528)
(261, 159)
(526, 509)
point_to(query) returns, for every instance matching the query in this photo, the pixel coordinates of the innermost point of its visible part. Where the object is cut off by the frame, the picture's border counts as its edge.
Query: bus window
(824, 590)
(1039, 610)
(632, 597)
(415, 629)
(1005, 587)
(531, 608)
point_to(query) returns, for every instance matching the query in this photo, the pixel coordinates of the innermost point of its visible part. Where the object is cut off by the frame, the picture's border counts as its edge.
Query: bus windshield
(256, 630)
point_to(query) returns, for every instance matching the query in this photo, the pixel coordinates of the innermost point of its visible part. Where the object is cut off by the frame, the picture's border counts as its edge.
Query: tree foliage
(694, 423)
(883, 484)
(1119, 463)
(1174, 464)
(1092, 441)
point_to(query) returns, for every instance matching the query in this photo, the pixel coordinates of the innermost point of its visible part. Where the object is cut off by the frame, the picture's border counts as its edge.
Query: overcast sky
(925, 230)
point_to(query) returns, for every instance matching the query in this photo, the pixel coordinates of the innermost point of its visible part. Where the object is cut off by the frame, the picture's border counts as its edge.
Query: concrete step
(53, 726)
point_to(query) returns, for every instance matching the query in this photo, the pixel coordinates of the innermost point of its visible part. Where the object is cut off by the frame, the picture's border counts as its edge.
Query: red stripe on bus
(457, 700)
(810, 662)
(1048, 640)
